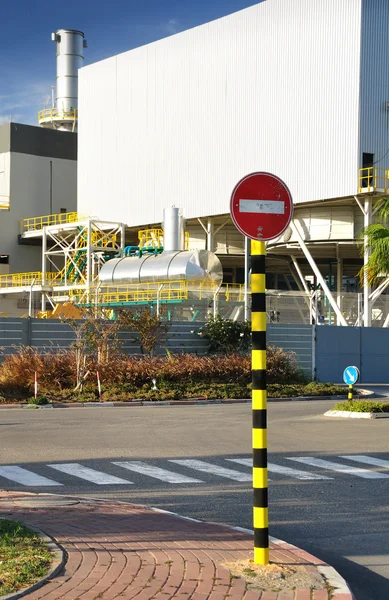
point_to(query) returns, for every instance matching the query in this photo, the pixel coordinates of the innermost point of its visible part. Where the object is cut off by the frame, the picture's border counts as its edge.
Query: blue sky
(27, 63)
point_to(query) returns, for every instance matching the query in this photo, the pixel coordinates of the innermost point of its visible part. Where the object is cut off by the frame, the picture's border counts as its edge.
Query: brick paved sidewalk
(125, 551)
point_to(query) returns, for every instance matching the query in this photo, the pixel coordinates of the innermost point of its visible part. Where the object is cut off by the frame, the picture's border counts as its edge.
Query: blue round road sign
(351, 375)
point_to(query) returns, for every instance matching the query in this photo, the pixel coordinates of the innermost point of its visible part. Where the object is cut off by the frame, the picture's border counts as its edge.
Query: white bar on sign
(269, 207)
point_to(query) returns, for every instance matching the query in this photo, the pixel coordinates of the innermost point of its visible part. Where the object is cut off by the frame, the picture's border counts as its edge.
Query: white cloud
(20, 103)
(172, 26)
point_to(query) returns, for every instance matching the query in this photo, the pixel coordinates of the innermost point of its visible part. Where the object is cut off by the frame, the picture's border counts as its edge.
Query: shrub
(40, 400)
(226, 335)
(56, 371)
(362, 406)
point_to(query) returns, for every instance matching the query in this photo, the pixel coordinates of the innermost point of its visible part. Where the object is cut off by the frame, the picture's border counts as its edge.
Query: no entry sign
(261, 206)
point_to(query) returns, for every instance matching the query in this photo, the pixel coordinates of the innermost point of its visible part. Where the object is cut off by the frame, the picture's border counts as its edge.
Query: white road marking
(201, 465)
(77, 470)
(25, 477)
(272, 468)
(369, 460)
(156, 472)
(269, 207)
(337, 467)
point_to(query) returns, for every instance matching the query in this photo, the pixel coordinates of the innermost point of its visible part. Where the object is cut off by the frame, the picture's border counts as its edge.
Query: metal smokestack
(70, 45)
(70, 58)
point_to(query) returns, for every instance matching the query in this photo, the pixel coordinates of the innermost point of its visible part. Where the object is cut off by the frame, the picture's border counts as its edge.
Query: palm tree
(376, 238)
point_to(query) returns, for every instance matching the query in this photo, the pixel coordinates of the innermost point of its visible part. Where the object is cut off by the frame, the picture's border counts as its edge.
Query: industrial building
(299, 89)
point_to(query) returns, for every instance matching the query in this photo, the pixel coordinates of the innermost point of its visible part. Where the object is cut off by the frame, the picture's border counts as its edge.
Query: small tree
(95, 339)
(376, 238)
(152, 329)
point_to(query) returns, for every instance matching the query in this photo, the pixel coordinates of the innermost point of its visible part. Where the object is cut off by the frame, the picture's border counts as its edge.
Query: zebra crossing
(192, 471)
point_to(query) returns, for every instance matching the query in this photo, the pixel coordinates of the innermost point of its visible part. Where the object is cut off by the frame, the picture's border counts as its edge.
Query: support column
(339, 284)
(210, 234)
(43, 282)
(122, 237)
(366, 254)
(88, 260)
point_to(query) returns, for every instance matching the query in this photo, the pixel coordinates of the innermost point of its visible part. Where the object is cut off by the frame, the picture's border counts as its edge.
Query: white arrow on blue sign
(351, 375)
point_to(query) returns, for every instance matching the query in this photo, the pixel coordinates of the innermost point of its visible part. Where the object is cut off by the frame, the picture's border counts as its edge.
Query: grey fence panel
(13, 332)
(51, 333)
(375, 355)
(336, 349)
(295, 338)
(56, 335)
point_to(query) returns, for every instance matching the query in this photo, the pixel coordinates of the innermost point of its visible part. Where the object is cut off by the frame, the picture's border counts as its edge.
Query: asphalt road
(342, 518)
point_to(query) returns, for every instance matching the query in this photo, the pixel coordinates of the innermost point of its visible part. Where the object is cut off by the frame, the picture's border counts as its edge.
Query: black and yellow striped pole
(259, 403)
(350, 391)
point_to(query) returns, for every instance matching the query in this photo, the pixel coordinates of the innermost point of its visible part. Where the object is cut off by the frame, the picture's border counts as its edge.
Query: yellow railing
(4, 202)
(37, 223)
(153, 238)
(373, 180)
(150, 238)
(55, 114)
(20, 279)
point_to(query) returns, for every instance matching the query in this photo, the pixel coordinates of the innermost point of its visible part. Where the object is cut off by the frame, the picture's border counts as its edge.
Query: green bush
(40, 400)
(362, 406)
(226, 335)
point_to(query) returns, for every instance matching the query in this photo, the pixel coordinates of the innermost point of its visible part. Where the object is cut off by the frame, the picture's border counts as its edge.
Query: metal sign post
(261, 207)
(350, 377)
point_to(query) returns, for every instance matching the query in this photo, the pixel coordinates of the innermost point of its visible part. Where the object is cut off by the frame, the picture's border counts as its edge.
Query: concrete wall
(274, 87)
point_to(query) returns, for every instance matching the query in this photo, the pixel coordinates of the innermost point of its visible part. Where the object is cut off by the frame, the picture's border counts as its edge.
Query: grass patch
(362, 406)
(24, 557)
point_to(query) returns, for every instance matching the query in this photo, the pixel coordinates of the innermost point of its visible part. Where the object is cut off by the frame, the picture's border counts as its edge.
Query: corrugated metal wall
(375, 81)
(273, 87)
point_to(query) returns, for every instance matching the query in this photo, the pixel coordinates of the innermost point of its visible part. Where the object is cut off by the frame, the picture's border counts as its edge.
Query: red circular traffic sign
(261, 206)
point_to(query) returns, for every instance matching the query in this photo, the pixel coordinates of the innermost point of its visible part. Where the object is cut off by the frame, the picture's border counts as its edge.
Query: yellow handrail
(373, 180)
(55, 114)
(37, 223)
(154, 238)
(20, 279)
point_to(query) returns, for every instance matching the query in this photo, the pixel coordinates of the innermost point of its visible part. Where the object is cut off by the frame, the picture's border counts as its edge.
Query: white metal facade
(275, 87)
(374, 107)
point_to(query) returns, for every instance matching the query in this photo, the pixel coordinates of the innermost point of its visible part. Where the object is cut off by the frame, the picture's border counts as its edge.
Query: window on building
(63, 210)
(4, 259)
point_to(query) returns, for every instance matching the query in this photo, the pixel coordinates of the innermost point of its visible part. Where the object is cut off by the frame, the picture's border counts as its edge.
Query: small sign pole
(350, 391)
(99, 386)
(36, 385)
(259, 403)
(261, 208)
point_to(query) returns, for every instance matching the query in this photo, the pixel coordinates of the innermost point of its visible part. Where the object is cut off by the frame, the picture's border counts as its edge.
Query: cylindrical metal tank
(70, 58)
(194, 265)
(173, 229)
